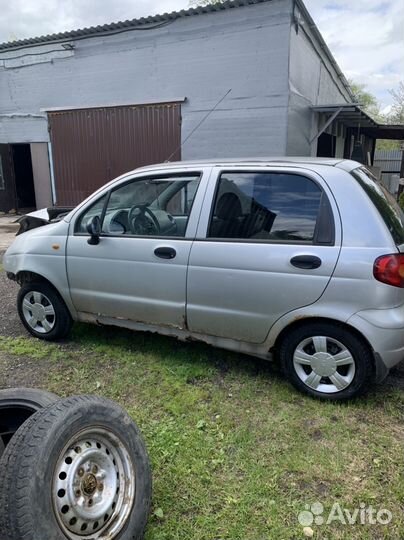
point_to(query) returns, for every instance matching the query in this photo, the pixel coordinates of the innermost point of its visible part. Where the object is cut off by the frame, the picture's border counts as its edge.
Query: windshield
(384, 202)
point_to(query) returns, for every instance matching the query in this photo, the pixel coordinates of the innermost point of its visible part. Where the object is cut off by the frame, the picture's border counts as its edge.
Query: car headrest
(228, 207)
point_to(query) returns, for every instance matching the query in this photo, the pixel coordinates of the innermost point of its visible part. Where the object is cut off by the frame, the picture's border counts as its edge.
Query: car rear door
(267, 243)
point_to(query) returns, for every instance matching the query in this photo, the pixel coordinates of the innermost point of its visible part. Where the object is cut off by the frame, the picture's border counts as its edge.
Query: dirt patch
(396, 377)
(23, 372)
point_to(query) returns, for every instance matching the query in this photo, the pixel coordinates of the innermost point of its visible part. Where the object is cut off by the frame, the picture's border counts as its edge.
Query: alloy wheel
(39, 312)
(324, 364)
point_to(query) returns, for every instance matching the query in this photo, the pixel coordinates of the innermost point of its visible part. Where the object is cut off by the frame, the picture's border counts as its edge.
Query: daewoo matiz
(294, 259)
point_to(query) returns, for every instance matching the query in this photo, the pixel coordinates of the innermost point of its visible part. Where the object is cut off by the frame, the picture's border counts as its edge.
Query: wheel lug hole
(81, 471)
(100, 487)
(95, 469)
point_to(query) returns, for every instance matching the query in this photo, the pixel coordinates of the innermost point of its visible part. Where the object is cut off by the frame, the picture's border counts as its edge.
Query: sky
(365, 36)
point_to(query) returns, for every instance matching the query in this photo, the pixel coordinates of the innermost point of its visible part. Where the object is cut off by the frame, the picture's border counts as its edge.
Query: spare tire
(16, 406)
(77, 469)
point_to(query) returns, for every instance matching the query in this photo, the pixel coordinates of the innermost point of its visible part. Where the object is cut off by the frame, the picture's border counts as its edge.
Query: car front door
(267, 244)
(138, 269)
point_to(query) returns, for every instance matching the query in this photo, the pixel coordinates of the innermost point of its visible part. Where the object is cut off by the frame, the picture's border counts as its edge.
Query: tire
(16, 406)
(83, 450)
(43, 312)
(327, 361)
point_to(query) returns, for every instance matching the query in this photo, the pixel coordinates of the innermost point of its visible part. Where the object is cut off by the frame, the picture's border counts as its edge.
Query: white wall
(41, 173)
(199, 57)
(313, 80)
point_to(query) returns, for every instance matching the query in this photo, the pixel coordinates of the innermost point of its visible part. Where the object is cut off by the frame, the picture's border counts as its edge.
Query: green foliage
(33, 348)
(388, 144)
(397, 110)
(401, 200)
(370, 105)
(367, 100)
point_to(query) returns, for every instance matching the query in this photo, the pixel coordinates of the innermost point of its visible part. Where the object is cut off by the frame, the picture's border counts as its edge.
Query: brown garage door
(92, 146)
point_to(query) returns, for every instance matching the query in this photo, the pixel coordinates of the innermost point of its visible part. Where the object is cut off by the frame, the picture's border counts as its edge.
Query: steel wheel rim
(324, 364)
(94, 485)
(38, 312)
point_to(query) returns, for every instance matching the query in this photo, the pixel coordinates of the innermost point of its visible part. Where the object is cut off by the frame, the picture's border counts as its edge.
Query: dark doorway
(326, 145)
(24, 178)
(7, 188)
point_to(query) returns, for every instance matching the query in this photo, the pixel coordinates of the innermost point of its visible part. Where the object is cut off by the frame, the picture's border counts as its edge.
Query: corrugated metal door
(7, 181)
(92, 146)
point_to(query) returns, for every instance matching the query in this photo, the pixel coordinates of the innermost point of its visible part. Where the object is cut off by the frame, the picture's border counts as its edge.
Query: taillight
(390, 269)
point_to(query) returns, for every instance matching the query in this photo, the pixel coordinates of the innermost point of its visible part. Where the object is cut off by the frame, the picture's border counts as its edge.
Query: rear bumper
(384, 329)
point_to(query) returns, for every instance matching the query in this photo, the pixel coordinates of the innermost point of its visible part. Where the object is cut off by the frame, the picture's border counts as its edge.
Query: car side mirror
(94, 230)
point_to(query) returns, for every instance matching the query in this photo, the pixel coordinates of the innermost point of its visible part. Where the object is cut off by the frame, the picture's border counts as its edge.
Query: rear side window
(266, 206)
(385, 203)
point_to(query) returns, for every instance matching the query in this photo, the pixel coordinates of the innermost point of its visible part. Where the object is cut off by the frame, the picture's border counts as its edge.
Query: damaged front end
(39, 218)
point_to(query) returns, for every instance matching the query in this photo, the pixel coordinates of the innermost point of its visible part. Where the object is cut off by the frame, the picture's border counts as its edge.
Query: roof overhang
(143, 23)
(352, 116)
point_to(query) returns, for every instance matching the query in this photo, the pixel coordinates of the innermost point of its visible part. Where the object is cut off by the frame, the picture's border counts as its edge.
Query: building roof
(143, 23)
(352, 116)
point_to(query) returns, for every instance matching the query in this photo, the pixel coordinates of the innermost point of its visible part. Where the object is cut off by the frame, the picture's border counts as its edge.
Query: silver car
(299, 260)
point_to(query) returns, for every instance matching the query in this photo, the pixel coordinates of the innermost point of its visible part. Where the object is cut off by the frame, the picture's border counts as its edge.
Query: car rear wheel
(327, 361)
(43, 312)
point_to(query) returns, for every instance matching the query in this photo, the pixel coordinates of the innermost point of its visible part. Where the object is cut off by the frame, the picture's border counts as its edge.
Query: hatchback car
(293, 259)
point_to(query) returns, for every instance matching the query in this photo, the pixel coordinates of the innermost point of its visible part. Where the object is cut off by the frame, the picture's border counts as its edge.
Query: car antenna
(199, 125)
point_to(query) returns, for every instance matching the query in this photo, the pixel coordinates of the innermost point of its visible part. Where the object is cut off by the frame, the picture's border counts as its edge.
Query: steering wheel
(142, 224)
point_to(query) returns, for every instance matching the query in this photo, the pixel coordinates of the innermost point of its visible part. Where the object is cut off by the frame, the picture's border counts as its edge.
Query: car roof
(259, 161)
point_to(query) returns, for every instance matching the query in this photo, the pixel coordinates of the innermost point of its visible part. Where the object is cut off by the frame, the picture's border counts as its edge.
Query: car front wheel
(43, 312)
(327, 361)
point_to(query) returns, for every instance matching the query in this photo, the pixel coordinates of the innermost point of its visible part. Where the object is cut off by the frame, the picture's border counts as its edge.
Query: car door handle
(165, 252)
(307, 262)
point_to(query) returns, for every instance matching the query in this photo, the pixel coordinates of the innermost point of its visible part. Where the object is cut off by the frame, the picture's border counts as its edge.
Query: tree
(396, 116)
(367, 100)
(371, 106)
(397, 110)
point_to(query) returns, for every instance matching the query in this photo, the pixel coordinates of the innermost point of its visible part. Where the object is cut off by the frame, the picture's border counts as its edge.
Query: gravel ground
(8, 228)
(9, 321)
(16, 371)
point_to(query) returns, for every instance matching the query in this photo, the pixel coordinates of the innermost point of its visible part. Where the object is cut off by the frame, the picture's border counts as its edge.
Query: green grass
(236, 452)
(35, 349)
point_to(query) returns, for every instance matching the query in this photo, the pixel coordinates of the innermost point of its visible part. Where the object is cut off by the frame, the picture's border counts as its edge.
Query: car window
(384, 202)
(265, 206)
(151, 207)
(181, 203)
(94, 210)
